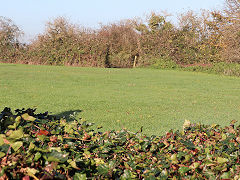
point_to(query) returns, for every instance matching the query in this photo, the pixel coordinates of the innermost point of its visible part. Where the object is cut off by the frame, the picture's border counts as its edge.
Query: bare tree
(9, 32)
(231, 33)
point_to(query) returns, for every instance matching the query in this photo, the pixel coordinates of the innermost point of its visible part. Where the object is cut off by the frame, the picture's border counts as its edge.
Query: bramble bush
(40, 146)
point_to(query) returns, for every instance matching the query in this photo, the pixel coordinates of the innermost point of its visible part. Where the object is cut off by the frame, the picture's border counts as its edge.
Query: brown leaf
(53, 139)
(66, 146)
(238, 139)
(3, 177)
(86, 136)
(6, 141)
(51, 167)
(26, 178)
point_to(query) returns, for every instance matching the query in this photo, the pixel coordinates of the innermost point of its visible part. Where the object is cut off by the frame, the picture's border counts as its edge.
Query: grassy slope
(114, 98)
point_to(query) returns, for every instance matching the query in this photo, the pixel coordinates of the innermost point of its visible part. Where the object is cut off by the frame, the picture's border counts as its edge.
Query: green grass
(158, 100)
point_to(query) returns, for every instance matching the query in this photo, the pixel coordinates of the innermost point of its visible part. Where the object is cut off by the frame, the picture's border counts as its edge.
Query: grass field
(158, 100)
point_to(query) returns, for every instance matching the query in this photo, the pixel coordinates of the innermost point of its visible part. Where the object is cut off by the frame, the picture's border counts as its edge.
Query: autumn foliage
(205, 38)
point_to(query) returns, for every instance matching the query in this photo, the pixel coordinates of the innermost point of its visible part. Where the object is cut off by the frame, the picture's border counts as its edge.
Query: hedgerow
(206, 37)
(41, 146)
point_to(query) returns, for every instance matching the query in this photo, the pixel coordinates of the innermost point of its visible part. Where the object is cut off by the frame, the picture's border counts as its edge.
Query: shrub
(122, 43)
(165, 63)
(43, 147)
(63, 43)
(229, 69)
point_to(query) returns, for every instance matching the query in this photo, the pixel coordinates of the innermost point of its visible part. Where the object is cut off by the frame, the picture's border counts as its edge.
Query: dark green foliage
(229, 69)
(43, 147)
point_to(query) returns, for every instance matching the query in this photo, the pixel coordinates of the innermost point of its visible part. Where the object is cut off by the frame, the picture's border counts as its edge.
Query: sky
(32, 15)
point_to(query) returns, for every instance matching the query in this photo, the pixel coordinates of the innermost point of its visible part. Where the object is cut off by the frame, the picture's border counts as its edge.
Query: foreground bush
(40, 146)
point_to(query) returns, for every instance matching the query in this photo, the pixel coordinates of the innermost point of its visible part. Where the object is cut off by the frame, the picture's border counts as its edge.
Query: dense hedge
(40, 146)
(206, 37)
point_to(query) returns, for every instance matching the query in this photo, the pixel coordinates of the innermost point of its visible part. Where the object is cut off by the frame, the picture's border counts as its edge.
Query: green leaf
(31, 146)
(99, 161)
(41, 150)
(174, 159)
(69, 128)
(27, 117)
(226, 175)
(2, 154)
(126, 175)
(224, 136)
(55, 156)
(214, 125)
(37, 156)
(1, 139)
(15, 135)
(2, 171)
(79, 176)
(5, 148)
(102, 169)
(58, 149)
(182, 170)
(207, 150)
(16, 145)
(150, 177)
(188, 144)
(187, 158)
(42, 138)
(17, 121)
(72, 163)
(233, 122)
(195, 165)
(52, 159)
(31, 172)
(60, 138)
(186, 124)
(164, 173)
(13, 126)
(8, 121)
(222, 160)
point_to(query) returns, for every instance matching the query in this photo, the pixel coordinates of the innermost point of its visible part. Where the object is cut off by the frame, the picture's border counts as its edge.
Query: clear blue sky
(31, 15)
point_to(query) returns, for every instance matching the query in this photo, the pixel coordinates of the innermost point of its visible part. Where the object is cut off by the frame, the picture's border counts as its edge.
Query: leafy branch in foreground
(40, 146)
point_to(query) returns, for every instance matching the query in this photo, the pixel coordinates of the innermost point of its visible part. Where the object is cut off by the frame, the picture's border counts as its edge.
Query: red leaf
(42, 132)
(26, 178)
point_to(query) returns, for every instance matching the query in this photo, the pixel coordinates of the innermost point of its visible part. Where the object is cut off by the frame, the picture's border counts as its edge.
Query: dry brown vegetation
(212, 36)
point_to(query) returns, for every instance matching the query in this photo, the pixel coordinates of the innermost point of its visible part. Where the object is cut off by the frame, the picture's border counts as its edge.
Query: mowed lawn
(158, 100)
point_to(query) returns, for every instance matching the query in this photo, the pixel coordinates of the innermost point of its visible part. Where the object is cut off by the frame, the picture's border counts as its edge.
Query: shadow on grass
(68, 115)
